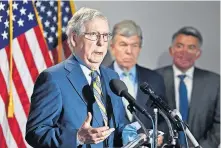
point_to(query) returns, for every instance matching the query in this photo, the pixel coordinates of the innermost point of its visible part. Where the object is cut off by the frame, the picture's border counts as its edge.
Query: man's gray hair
(188, 30)
(127, 28)
(78, 20)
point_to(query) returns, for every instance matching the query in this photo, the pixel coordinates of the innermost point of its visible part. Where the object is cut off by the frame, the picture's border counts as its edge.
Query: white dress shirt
(188, 81)
(131, 82)
(86, 70)
(133, 77)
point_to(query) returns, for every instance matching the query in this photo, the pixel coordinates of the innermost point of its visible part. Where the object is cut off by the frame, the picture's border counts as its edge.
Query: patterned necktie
(98, 95)
(129, 84)
(183, 106)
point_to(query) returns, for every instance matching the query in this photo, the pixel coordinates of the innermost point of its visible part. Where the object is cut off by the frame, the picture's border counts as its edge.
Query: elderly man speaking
(72, 104)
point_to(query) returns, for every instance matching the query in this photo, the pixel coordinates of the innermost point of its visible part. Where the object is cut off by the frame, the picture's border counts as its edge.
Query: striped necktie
(183, 106)
(129, 84)
(98, 95)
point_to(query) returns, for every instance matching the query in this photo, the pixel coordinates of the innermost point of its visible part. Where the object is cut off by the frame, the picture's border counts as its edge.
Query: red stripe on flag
(13, 124)
(2, 139)
(67, 50)
(55, 55)
(28, 56)
(43, 46)
(19, 86)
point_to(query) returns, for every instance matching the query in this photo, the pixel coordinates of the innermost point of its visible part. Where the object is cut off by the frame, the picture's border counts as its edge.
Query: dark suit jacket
(156, 81)
(59, 106)
(204, 109)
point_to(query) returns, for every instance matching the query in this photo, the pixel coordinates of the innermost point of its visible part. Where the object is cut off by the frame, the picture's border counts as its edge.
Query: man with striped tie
(72, 104)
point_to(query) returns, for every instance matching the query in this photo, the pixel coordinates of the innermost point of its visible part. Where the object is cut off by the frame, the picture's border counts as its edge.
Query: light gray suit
(204, 109)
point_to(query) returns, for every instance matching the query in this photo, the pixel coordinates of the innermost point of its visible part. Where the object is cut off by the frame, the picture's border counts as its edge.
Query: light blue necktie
(127, 80)
(183, 106)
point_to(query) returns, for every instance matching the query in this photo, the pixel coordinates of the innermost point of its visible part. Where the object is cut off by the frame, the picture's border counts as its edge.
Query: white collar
(188, 73)
(120, 71)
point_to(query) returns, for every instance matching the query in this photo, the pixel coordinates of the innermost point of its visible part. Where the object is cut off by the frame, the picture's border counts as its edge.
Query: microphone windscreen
(117, 86)
(145, 87)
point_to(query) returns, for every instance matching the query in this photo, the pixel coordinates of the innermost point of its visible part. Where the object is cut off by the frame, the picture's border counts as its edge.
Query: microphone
(120, 89)
(160, 103)
(146, 88)
(173, 114)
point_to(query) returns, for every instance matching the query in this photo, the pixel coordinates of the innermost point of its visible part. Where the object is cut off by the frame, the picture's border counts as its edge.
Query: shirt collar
(86, 69)
(121, 71)
(188, 73)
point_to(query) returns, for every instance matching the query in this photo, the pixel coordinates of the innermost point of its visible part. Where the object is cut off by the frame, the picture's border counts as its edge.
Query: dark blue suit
(60, 102)
(157, 83)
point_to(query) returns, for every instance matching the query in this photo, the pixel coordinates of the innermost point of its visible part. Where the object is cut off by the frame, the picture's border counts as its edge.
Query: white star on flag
(20, 22)
(30, 16)
(2, 6)
(15, 6)
(22, 11)
(5, 35)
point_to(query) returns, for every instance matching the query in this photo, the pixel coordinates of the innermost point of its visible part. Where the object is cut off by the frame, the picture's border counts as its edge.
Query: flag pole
(59, 32)
(38, 20)
(73, 9)
(11, 103)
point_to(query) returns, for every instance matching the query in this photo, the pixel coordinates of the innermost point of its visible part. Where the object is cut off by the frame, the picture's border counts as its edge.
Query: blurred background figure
(125, 47)
(193, 91)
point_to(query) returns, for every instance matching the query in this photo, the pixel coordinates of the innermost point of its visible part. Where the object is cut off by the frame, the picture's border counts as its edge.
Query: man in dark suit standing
(125, 47)
(194, 92)
(72, 104)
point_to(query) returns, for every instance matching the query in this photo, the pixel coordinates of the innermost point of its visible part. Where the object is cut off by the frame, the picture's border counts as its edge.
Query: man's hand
(89, 135)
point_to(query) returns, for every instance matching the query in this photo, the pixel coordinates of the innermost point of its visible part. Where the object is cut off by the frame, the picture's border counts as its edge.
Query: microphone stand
(155, 130)
(132, 104)
(179, 124)
(187, 133)
(130, 107)
(173, 134)
(133, 112)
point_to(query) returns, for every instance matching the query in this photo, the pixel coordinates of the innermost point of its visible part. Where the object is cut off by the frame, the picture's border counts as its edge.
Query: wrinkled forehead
(134, 39)
(97, 24)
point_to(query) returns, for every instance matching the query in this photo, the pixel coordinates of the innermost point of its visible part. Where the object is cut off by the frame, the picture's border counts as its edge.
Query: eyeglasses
(94, 36)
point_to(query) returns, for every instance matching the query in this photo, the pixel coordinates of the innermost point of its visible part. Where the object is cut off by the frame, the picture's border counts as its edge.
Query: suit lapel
(109, 93)
(141, 98)
(76, 76)
(80, 84)
(196, 95)
(169, 83)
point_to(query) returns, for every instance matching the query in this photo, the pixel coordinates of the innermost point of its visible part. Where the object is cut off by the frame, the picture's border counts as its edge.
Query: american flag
(30, 55)
(47, 11)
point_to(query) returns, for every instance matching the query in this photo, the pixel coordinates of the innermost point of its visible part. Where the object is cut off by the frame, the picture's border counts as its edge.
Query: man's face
(92, 51)
(185, 51)
(126, 50)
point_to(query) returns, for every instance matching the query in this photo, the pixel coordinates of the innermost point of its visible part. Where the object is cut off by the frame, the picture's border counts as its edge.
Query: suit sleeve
(42, 129)
(212, 138)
